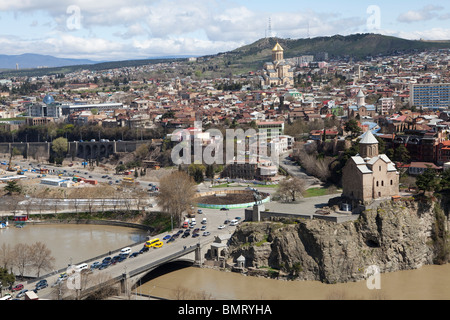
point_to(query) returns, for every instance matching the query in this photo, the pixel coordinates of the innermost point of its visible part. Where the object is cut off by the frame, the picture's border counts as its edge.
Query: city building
(272, 128)
(369, 175)
(278, 72)
(69, 109)
(430, 95)
(361, 109)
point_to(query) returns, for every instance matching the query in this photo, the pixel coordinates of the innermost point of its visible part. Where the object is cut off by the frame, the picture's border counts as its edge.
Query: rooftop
(368, 138)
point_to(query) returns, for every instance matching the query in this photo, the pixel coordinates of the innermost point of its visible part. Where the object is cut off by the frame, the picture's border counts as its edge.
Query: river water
(426, 283)
(75, 243)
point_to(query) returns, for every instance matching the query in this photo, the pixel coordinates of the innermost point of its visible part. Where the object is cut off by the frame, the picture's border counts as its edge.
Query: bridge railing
(54, 272)
(162, 260)
(139, 270)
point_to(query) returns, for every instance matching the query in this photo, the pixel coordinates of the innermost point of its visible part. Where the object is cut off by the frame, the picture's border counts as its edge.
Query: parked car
(221, 226)
(41, 286)
(21, 293)
(43, 281)
(17, 287)
(167, 237)
(134, 254)
(206, 233)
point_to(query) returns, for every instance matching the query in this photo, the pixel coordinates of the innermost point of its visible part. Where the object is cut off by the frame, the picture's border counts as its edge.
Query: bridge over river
(131, 270)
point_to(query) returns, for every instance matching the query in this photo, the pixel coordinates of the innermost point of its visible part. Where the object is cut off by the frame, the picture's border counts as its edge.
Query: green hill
(358, 46)
(252, 57)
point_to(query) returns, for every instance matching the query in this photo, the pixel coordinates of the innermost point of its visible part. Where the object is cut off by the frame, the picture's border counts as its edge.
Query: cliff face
(395, 236)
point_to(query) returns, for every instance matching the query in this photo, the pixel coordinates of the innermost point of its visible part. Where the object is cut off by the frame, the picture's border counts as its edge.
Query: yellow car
(158, 244)
(151, 243)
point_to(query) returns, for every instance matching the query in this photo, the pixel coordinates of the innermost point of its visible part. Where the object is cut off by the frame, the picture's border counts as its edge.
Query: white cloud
(123, 29)
(426, 13)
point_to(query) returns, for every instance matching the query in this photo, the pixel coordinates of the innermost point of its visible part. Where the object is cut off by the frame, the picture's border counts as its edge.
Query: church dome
(48, 99)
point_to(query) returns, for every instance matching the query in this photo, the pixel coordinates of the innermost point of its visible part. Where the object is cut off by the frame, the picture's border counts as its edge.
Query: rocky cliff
(395, 236)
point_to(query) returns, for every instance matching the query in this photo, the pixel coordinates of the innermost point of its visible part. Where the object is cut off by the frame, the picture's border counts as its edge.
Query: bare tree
(6, 256)
(22, 257)
(41, 258)
(291, 188)
(176, 194)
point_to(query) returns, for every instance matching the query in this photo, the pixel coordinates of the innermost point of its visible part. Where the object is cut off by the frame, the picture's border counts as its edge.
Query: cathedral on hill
(369, 176)
(278, 72)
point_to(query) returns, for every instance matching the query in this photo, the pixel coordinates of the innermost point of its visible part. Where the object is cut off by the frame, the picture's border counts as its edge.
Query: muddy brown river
(426, 283)
(75, 243)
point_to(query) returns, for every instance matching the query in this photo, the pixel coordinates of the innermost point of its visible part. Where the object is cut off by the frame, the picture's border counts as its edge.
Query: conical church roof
(368, 138)
(278, 47)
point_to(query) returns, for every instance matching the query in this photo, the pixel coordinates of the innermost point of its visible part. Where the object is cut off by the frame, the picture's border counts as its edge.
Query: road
(79, 170)
(296, 171)
(214, 219)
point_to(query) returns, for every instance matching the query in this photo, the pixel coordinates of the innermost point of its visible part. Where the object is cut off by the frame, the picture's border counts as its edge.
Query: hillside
(252, 57)
(358, 46)
(31, 60)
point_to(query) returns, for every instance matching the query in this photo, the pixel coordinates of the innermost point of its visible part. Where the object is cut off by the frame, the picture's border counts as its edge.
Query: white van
(125, 251)
(81, 267)
(234, 222)
(204, 221)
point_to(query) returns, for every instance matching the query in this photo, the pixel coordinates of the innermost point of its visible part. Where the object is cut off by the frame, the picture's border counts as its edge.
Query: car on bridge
(144, 249)
(151, 243)
(158, 244)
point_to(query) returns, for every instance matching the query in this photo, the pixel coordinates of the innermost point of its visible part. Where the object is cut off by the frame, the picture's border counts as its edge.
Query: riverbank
(153, 222)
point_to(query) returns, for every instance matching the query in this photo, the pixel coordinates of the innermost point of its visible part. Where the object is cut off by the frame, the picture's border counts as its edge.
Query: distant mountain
(31, 60)
(357, 46)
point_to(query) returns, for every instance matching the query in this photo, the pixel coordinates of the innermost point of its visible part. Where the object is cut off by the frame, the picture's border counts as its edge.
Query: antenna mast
(270, 28)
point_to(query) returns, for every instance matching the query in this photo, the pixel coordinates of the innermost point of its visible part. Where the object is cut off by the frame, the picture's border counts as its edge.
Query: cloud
(124, 29)
(426, 13)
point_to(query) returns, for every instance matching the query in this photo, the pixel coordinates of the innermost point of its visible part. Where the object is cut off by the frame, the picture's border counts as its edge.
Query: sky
(107, 30)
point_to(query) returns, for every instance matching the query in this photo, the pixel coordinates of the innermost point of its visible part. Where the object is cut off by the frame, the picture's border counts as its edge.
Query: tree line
(51, 131)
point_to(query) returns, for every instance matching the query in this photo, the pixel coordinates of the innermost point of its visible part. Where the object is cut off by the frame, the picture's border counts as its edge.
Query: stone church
(277, 72)
(369, 176)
